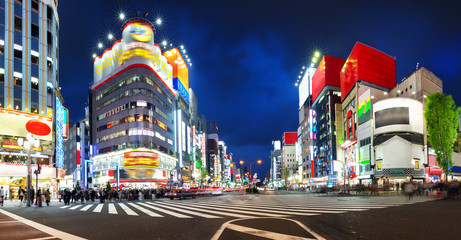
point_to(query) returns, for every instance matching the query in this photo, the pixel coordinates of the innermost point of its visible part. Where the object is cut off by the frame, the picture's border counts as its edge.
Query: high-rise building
(276, 163)
(29, 89)
(289, 161)
(325, 94)
(133, 112)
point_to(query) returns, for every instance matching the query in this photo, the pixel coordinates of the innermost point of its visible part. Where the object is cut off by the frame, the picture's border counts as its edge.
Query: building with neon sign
(29, 89)
(133, 112)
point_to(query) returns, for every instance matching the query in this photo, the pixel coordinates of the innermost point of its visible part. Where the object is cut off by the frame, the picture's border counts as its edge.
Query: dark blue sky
(247, 55)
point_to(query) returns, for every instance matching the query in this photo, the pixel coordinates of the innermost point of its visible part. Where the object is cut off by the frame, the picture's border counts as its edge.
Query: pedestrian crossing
(225, 209)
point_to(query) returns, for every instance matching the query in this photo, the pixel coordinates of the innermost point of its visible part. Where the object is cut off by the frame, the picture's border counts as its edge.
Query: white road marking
(219, 212)
(86, 207)
(53, 232)
(279, 210)
(127, 210)
(178, 215)
(66, 206)
(148, 212)
(225, 208)
(112, 209)
(264, 234)
(98, 208)
(75, 207)
(43, 238)
(185, 211)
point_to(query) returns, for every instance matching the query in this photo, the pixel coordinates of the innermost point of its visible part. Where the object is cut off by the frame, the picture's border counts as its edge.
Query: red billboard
(327, 74)
(367, 64)
(290, 138)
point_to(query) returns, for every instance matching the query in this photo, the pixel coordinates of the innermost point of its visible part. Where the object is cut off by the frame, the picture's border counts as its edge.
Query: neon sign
(140, 32)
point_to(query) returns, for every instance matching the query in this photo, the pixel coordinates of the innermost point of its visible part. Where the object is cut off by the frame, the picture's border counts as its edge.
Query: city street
(237, 216)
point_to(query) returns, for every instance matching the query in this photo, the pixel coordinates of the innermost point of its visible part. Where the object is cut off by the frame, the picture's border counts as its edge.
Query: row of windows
(134, 132)
(135, 118)
(136, 144)
(34, 6)
(135, 92)
(130, 80)
(18, 82)
(133, 105)
(34, 29)
(33, 59)
(365, 141)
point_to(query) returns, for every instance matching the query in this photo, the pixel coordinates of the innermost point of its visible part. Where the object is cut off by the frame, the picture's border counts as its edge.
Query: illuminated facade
(29, 89)
(133, 112)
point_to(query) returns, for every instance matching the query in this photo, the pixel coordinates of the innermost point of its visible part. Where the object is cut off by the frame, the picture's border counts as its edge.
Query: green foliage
(108, 187)
(204, 172)
(251, 190)
(77, 186)
(442, 120)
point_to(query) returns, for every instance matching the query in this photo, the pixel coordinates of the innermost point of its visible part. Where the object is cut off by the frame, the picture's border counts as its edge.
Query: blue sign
(182, 90)
(59, 132)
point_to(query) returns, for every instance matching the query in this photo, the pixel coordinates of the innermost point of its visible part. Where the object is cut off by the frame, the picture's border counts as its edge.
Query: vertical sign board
(60, 126)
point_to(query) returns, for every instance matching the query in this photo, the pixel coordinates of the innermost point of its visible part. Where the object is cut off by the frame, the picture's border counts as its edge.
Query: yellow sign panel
(140, 32)
(140, 159)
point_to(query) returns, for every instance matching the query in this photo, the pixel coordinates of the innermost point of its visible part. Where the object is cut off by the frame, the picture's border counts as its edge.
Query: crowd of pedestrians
(90, 194)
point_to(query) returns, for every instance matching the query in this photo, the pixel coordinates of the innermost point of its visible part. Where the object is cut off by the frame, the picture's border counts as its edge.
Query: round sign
(36, 127)
(140, 32)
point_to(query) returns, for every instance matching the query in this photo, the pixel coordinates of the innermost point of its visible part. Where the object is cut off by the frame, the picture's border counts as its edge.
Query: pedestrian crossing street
(220, 209)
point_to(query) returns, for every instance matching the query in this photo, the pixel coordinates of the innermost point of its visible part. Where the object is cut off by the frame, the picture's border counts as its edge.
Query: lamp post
(36, 127)
(30, 143)
(249, 164)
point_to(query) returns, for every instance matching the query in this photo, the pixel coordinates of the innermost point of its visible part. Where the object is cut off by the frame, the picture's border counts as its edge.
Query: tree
(108, 187)
(204, 172)
(77, 186)
(442, 119)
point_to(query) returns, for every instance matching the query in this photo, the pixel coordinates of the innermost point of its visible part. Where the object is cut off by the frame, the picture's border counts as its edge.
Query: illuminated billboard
(398, 115)
(305, 87)
(180, 72)
(367, 64)
(290, 138)
(327, 74)
(136, 47)
(13, 123)
(139, 164)
(60, 118)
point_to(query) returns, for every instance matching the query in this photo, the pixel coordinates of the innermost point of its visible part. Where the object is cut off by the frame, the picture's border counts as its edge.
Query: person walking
(32, 195)
(21, 195)
(47, 196)
(2, 195)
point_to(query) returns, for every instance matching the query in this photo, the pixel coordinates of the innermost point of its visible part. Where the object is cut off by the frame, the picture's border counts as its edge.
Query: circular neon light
(140, 32)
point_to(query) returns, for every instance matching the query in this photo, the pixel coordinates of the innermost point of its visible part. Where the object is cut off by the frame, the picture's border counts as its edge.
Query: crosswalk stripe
(75, 207)
(278, 210)
(86, 207)
(146, 211)
(65, 206)
(307, 209)
(241, 211)
(98, 208)
(219, 212)
(185, 211)
(178, 215)
(264, 234)
(127, 210)
(112, 209)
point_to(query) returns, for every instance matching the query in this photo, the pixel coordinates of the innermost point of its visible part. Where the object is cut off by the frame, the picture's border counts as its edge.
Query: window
(49, 38)
(35, 5)
(49, 13)
(18, 81)
(17, 23)
(34, 59)
(17, 54)
(34, 29)
(2, 49)
(34, 85)
(2, 77)
(48, 64)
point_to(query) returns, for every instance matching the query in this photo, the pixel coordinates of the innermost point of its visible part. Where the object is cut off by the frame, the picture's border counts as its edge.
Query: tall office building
(133, 111)
(29, 89)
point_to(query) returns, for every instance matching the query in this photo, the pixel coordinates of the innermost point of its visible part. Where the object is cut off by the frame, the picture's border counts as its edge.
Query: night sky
(246, 55)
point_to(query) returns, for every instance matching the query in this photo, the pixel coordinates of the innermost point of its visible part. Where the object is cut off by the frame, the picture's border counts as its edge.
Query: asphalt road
(235, 216)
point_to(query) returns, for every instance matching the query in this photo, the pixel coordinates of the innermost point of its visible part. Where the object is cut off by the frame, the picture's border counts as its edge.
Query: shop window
(17, 23)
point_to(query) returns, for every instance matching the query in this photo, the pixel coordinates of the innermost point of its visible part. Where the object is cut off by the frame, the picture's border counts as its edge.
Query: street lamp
(249, 164)
(29, 144)
(33, 126)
